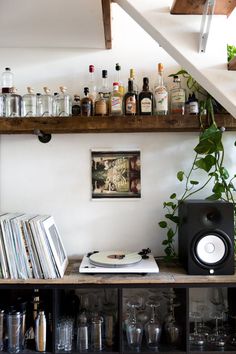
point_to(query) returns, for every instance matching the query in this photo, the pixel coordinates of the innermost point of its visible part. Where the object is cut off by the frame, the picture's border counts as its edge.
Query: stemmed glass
(196, 338)
(216, 338)
(134, 329)
(153, 326)
(171, 327)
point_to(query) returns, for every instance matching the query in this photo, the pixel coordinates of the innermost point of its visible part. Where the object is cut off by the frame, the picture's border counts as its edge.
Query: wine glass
(196, 338)
(172, 328)
(217, 338)
(153, 326)
(134, 329)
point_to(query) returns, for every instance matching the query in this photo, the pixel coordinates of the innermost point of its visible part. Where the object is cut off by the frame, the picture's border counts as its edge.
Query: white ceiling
(54, 23)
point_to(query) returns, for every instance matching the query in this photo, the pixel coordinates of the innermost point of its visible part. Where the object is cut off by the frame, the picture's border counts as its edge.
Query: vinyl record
(114, 259)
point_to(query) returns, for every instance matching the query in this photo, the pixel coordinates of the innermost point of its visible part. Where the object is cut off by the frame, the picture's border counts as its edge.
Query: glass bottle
(193, 105)
(7, 81)
(96, 332)
(100, 107)
(145, 99)
(132, 77)
(76, 109)
(177, 97)
(39, 105)
(63, 103)
(47, 103)
(13, 104)
(2, 105)
(54, 103)
(105, 90)
(187, 104)
(29, 103)
(130, 100)
(116, 108)
(86, 104)
(161, 93)
(121, 86)
(91, 86)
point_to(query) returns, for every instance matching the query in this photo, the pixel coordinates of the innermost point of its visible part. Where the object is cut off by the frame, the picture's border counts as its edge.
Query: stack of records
(30, 247)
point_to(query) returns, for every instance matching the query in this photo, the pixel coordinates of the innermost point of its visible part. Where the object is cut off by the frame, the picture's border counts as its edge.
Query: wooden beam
(232, 64)
(195, 7)
(106, 13)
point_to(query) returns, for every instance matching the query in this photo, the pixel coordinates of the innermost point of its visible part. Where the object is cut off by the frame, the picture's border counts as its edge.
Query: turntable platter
(114, 258)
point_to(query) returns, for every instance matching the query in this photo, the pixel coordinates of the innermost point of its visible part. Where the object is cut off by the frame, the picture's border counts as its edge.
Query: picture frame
(115, 174)
(56, 245)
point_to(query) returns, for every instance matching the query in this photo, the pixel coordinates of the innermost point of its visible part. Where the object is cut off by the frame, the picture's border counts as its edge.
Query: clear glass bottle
(29, 103)
(7, 81)
(130, 100)
(13, 104)
(47, 103)
(177, 97)
(161, 93)
(2, 105)
(86, 104)
(92, 86)
(62, 103)
(54, 103)
(76, 108)
(132, 77)
(39, 105)
(145, 99)
(105, 90)
(116, 100)
(121, 86)
(100, 107)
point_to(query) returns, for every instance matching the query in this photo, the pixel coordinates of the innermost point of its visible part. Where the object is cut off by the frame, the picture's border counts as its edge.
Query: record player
(119, 262)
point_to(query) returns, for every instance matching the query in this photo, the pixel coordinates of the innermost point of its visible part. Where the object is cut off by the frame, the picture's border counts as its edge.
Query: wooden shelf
(195, 7)
(232, 64)
(123, 124)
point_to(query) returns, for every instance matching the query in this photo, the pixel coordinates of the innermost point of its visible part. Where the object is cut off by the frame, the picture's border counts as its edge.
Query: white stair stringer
(179, 36)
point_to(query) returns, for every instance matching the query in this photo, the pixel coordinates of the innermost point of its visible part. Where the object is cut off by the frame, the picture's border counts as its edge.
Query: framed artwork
(116, 174)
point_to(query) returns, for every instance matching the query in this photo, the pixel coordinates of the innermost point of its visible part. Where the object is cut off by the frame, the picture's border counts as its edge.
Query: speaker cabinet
(206, 237)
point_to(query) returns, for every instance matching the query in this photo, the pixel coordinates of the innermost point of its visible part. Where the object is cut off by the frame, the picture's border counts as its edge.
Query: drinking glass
(96, 332)
(153, 326)
(134, 329)
(217, 338)
(196, 338)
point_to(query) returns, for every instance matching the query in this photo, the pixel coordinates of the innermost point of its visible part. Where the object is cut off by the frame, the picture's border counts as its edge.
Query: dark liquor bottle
(130, 100)
(145, 99)
(86, 104)
(76, 109)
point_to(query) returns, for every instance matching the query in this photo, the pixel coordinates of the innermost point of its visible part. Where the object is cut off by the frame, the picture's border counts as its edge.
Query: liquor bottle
(145, 99)
(186, 111)
(86, 104)
(132, 77)
(116, 99)
(7, 81)
(100, 107)
(47, 103)
(40, 332)
(29, 103)
(177, 97)
(161, 93)
(13, 104)
(193, 105)
(76, 109)
(54, 103)
(91, 86)
(130, 100)
(121, 86)
(62, 103)
(105, 87)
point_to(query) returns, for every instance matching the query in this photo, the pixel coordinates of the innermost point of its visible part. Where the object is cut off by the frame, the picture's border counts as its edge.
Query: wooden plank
(123, 124)
(106, 14)
(232, 64)
(195, 7)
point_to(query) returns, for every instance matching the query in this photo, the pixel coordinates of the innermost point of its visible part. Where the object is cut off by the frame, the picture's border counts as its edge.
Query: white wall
(54, 178)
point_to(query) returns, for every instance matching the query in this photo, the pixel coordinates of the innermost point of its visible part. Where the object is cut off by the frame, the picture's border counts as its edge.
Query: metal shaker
(40, 332)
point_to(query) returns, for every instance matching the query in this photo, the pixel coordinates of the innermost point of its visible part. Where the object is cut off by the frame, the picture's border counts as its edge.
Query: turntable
(119, 262)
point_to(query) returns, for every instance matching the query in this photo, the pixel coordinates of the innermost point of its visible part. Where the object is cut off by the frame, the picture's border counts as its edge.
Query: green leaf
(168, 251)
(162, 224)
(170, 234)
(194, 182)
(231, 186)
(224, 173)
(214, 197)
(206, 163)
(180, 72)
(173, 218)
(180, 176)
(165, 242)
(173, 196)
(218, 188)
(210, 141)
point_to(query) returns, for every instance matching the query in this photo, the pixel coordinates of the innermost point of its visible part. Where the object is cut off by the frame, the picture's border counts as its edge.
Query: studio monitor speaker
(206, 237)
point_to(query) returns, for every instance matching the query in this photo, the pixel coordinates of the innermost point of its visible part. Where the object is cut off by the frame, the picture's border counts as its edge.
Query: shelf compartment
(123, 124)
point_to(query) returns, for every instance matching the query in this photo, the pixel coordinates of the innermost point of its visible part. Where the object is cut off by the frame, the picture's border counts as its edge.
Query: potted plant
(209, 161)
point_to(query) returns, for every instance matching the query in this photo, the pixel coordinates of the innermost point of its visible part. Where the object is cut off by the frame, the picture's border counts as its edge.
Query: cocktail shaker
(40, 332)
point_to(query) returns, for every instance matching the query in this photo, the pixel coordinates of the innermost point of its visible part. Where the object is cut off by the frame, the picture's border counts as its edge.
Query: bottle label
(86, 108)
(178, 96)
(146, 105)
(161, 101)
(130, 105)
(101, 108)
(193, 107)
(116, 104)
